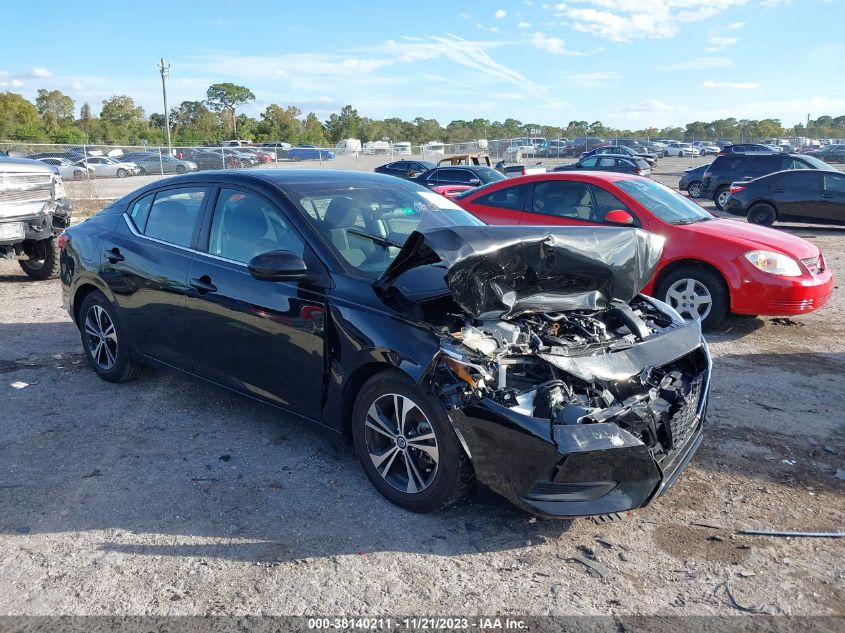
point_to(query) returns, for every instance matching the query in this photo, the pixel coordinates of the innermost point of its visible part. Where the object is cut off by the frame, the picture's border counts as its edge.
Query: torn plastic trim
(501, 271)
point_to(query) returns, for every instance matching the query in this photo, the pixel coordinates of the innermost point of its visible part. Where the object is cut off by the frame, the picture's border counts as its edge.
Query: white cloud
(465, 16)
(500, 13)
(524, 25)
(547, 43)
(628, 20)
(40, 73)
(718, 42)
(652, 105)
(733, 26)
(734, 85)
(700, 63)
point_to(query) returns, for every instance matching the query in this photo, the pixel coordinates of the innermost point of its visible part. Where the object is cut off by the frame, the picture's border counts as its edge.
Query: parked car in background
(33, 211)
(691, 180)
(654, 147)
(790, 196)
(746, 148)
(405, 168)
(728, 169)
(681, 149)
(69, 156)
(582, 144)
(69, 170)
(105, 167)
(209, 158)
(472, 175)
(829, 153)
(622, 150)
(309, 152)
(617, 163)
(156, 164)
(519, 169)
(555, 148)
(706, 147)
(709, 266)
(238, 279)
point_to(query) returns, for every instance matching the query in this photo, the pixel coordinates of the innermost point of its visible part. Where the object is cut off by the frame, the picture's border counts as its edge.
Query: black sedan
(471, 175)
(798, 195)
(405, 168)
(691, 180)
(609, 162)
(444, 349)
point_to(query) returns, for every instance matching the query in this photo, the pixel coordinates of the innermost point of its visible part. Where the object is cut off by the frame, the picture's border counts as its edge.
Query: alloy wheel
(401, 443)
(691, 298)
(101, 337)
(723, 199)
(694, 190)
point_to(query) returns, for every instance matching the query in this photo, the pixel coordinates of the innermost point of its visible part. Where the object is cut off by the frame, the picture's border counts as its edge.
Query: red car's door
(502, 205)
(560, 202)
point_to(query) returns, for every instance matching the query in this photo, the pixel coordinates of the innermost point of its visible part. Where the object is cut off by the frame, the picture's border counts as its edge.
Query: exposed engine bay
(550, 366)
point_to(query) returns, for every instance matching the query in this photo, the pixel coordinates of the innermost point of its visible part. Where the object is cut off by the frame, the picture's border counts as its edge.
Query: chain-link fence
(110, 171)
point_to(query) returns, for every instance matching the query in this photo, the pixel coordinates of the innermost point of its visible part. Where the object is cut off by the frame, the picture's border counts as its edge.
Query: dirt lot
(165, 496)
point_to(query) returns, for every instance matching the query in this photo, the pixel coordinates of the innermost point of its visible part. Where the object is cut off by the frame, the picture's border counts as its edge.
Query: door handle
(203, 284)
(826, 195)
(114, 255)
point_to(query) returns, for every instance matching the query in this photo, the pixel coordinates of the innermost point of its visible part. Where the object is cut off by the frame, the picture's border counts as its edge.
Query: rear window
(727, 163)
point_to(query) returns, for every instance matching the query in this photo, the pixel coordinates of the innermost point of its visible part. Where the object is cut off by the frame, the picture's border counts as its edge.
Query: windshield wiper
(691, 221)
(383, 241)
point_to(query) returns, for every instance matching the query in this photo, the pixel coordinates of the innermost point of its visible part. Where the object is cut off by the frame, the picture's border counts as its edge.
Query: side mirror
(474, 182)
(618, 216)
(278, 266)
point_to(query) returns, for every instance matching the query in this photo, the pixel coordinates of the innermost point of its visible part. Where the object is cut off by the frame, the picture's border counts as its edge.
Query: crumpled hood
(498, 271)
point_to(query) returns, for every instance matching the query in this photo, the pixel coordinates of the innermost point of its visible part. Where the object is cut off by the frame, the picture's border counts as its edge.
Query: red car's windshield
(667, 205)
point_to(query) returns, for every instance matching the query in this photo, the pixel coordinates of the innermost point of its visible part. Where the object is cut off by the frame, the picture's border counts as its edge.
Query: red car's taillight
(638, 171)
(736, 189)
(62, 240)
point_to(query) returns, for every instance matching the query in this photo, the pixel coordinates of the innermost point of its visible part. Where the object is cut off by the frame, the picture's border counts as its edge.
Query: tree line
(54, 118)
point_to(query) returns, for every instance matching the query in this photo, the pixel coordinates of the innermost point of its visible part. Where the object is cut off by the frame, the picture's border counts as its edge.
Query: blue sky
(627, 63)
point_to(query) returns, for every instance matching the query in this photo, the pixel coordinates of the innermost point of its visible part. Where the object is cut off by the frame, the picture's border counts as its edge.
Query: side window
(590, 162)
(605, 201)
(507, 198)
(174, 214)
(805, 180)
(246, 225)
(607, 162)
(140, 211)
(834, 182)
(563, 198)
(791, 163)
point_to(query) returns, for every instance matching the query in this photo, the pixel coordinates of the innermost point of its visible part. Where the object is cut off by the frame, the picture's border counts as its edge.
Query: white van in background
(348, 146)
(402, 147)
(434, 147)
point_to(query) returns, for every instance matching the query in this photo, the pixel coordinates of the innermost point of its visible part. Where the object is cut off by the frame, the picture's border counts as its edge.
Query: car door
(797, 194)
(145, 263)
(832, 207)
(263, 338)
(504, 205)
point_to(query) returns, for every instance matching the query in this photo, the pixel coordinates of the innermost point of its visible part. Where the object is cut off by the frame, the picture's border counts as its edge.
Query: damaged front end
(572, 394)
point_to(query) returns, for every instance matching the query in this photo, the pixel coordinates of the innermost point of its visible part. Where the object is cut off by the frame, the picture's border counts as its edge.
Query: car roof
(605, 176)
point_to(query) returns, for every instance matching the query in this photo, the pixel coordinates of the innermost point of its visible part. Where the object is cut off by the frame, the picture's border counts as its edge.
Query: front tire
(407, 446)
(122, 173)
(43, 264)
(104, 341)
(694, 190)
(696, 293)
(720, 198)
(762, 214)
(180, 169)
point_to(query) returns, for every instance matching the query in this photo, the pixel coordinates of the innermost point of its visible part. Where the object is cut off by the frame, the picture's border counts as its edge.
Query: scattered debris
(709, 524)
(746, 573)
(787, 321)
(830, 450)
(840, 474)
(792, 534)
(613, 517)
(94, 473)
(19, 385)
(225, 458)
(788, 462)
(766, 608)
(24, 529)
(596, 568)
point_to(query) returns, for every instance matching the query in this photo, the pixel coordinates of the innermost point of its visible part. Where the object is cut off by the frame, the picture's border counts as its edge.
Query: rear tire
(180, 169)
(41, 269)
(690, 289)
(422, 479)
(105, 344)
(694, 190)
(721, 197)
(763, 214)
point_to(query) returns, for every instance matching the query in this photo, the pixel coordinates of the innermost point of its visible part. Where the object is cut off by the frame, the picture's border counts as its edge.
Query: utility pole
(164, 67)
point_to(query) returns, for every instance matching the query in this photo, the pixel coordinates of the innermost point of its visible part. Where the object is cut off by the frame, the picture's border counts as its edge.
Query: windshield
(366, 224)
(815, 162)
(664, 203)
(488, 175)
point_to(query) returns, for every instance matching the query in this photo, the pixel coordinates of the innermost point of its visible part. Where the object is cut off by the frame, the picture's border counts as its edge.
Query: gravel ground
(165, 496)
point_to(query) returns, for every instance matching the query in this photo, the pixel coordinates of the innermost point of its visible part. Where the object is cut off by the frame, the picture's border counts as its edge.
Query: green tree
(54, 107)
(226, 98)
(18, 118)
(192, 121)
(121, 110)
(280, 124)
(343, 125)
(313, 132)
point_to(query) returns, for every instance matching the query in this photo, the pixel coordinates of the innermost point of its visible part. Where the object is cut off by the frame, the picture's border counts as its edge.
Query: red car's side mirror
(619, 216)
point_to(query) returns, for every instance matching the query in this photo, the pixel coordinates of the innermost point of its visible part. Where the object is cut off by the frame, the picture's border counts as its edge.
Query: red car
(450, 191)
(709, 267)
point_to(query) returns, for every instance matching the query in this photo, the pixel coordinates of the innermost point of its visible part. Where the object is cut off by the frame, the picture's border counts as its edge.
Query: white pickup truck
(33, 211)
